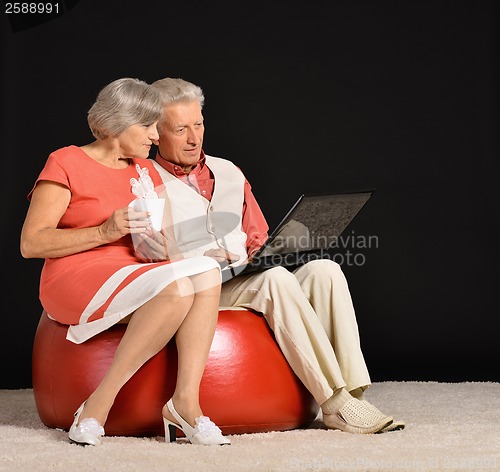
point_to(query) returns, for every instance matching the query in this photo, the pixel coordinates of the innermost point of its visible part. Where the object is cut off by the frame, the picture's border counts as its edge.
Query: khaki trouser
(312, 316)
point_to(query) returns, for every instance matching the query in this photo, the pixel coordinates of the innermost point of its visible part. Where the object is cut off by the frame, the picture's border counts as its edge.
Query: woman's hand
(124, 221)
(150, 246)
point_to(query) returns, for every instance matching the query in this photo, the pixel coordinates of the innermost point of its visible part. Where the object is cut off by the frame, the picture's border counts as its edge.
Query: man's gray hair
(178, 90)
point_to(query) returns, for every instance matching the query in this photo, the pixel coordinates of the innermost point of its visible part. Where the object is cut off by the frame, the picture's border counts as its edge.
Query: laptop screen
(315, 222)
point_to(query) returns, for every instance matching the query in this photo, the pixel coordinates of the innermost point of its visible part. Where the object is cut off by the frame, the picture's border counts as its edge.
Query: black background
(303, 97)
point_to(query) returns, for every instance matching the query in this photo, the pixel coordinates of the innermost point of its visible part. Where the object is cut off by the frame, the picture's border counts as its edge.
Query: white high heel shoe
(86, 432)
(204, 432)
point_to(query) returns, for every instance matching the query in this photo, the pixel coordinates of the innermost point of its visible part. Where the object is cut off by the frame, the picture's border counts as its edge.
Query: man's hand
(222, 256)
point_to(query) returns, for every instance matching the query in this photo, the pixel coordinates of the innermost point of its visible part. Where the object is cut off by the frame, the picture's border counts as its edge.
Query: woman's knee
(180, 290)
(209, 280)
(174, 300)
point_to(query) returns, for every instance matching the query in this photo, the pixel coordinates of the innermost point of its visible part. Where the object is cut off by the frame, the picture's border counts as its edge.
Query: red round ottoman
(247, 385)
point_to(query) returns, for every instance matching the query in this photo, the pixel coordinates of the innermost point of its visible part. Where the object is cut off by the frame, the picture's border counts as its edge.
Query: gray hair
(123, 103)
(178, 90)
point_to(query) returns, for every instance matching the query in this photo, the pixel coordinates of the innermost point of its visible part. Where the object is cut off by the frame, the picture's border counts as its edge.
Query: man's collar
(176, 169)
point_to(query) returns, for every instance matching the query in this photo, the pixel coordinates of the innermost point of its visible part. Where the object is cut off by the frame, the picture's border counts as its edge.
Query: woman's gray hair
(122, 103)
(178, 90)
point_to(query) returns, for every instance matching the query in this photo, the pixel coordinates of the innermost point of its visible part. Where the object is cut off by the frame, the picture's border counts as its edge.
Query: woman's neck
(106, 152)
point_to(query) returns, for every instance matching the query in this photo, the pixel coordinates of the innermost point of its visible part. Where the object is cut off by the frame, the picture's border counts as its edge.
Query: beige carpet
(450, 427)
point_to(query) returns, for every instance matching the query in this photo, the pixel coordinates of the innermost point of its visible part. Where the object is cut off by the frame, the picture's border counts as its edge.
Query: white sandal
(87, 432)
(204, 432)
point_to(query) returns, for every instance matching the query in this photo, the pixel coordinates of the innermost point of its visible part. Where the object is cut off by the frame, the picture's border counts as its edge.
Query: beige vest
(196, 224)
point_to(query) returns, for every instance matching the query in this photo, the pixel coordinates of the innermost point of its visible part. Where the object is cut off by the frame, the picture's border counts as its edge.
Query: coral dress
(94, 289)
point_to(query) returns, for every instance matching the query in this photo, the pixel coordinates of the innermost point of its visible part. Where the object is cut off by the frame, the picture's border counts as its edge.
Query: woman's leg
(193, 340)
(148, 331)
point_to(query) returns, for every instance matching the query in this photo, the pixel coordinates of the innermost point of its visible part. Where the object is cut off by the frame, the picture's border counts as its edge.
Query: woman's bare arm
(40, 237)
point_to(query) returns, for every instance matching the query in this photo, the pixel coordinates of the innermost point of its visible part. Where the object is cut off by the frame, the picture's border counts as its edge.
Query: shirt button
(211, 208)
(203, 192)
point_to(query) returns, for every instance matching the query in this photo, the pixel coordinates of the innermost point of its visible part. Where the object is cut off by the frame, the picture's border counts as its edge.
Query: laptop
(308, 231)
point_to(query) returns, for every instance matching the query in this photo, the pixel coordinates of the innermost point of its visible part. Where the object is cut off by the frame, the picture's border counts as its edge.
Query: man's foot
(357, 417)
(394, 426)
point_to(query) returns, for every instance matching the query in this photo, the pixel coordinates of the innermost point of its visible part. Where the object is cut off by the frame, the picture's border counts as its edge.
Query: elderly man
(309, 309)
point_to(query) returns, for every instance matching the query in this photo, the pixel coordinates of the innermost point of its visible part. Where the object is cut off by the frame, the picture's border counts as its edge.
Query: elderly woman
(80, 222)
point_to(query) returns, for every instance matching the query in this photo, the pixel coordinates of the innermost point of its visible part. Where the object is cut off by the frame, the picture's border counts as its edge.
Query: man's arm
(254, 223)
